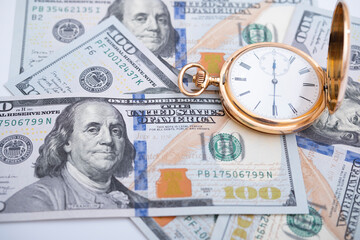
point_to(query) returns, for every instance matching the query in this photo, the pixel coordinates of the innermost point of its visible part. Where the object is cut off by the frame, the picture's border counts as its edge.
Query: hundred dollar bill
(109, 60)
(139, 155)
(331, 176)
(309, 32)
(185, 31)
(210, 31)
(180, 227)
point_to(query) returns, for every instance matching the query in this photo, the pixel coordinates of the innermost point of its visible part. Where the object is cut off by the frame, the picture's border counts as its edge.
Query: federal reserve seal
(15, 149)
(355, 58)
(96, 79)
(305, 225)
(225, 147)
(67, 30)
(255, 33)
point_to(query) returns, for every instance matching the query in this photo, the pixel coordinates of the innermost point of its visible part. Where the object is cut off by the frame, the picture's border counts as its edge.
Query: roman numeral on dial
(305, 98)
(257, 105)
(292, 108)
(244, 65)
(291, 59)
(244, 93)
(304, 70)
(240, 79)
(274, 110)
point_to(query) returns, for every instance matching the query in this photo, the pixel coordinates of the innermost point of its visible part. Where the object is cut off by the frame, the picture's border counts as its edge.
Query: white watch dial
(274, 83)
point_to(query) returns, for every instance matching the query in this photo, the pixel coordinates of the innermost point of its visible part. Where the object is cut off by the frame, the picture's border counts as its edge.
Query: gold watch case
(332, 82)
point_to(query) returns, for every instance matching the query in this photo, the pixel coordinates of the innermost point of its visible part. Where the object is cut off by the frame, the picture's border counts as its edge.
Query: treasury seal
(67, 30)
(255, 33)
(305, 225)
(225, 147)
(96, 79)
(355, 58)
(15, 149)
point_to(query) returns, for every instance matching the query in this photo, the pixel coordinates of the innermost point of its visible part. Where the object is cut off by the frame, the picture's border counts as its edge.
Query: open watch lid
(338, 57)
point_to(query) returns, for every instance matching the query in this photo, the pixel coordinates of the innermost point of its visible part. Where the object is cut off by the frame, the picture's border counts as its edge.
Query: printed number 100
(268, 193)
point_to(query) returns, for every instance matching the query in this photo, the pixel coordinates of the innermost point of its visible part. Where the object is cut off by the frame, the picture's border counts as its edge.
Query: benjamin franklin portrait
(150, 22)
(342, 127)
(80, 162)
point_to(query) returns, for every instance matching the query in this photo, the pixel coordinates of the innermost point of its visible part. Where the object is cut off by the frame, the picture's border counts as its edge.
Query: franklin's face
(97, 143)
(343, 125)
(149, 22)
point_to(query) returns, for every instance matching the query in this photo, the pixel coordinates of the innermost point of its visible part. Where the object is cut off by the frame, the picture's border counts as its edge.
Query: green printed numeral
(25, 122)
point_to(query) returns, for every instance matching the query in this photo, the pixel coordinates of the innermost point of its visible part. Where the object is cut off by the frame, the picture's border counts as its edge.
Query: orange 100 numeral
(268, 193)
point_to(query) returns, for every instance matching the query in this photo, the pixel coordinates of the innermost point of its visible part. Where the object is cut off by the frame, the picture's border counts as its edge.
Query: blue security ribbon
(313, 146)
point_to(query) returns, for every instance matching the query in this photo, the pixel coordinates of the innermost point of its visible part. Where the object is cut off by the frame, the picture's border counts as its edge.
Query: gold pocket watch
(276, 88)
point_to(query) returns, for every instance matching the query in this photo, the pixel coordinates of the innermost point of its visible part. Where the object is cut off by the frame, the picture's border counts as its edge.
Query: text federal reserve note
(108, 60)
(331, 176)
(309, 32)
(180, 227)
(186, 31)
(140, 155)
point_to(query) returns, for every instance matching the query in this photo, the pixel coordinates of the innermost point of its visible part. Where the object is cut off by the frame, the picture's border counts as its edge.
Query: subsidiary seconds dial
(274, 60)
(274, 82)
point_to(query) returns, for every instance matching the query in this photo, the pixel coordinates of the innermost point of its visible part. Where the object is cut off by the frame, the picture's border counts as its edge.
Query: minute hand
(274, 81)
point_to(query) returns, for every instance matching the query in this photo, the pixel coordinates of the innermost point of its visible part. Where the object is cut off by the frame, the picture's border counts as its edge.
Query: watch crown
(199, 78)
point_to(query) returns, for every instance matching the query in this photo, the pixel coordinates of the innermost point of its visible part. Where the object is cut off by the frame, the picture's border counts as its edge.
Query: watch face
(274, 83)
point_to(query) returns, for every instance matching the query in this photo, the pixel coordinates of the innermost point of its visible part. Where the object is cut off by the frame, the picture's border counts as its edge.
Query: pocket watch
(276, 88)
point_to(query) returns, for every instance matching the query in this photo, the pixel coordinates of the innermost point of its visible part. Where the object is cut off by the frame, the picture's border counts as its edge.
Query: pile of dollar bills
(98, 128)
